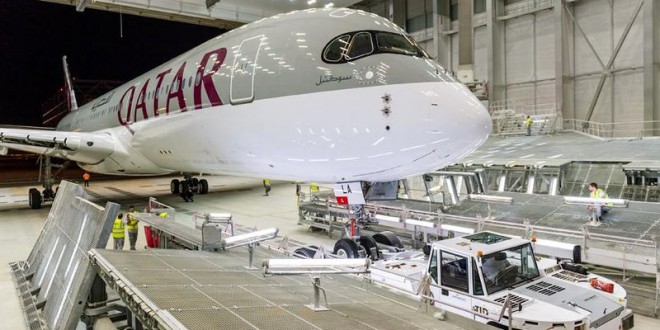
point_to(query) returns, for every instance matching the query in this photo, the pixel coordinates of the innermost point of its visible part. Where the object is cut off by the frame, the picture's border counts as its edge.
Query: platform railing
(623, 130)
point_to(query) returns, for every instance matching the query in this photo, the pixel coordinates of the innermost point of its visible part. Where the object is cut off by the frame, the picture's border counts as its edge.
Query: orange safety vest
(86, 176)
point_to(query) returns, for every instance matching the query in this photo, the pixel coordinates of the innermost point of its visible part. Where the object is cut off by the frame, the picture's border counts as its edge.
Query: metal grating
(545, 288)
(58, 265)
(570, 276)
(229, 298)
(516, 300)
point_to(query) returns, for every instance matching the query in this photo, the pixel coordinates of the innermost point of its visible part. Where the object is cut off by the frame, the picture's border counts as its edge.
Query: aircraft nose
(459, 117)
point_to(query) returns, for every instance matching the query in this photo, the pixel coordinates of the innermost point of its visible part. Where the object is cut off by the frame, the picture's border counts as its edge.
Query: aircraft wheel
(174, 186)
(388, 238)
(34, 198)
(346, 249)
(203, 186)
(368, 243)
(306, 252)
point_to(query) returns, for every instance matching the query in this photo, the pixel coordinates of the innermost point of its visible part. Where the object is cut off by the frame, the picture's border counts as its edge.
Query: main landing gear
(189, 186)
(36, 198)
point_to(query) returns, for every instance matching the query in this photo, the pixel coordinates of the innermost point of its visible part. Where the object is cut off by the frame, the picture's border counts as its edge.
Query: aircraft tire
(34, 198)
(174, 186)
(388, 238)
(203, 187)
(305, 252)
(368, 243)
(346, 248)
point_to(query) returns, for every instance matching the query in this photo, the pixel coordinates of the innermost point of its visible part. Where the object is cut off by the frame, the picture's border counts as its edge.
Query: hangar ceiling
(225, 14)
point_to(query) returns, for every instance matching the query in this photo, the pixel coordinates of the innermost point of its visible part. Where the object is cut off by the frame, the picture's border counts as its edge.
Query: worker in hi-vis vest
(313, 187)
(267, 186)
(132, 227)
(528, 123)
(118, 233)
(597, 210)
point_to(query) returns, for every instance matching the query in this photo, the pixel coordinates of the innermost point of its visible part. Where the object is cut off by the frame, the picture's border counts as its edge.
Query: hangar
(570, 87)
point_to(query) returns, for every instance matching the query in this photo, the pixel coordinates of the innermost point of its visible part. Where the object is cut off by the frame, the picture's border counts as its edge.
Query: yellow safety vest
(314, 187)
(118, 229)
(600, 193)
(529, 122)
(267, 182)
(132, 222)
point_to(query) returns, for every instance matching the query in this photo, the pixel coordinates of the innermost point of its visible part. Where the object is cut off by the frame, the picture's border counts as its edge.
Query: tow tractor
(498, 280)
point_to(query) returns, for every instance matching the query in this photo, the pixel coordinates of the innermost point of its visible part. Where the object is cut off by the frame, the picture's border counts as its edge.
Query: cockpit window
(397, 43)
(335, 50)
(354, 45)
(360, 45)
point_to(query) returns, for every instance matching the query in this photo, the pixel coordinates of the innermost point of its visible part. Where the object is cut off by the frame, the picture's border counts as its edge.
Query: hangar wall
(521, 46)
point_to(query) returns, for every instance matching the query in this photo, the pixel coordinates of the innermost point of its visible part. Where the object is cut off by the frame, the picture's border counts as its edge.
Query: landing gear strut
(36, 198)
(189, 186)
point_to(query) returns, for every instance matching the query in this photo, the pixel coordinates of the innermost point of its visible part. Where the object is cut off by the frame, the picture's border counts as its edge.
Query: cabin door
(241, 88)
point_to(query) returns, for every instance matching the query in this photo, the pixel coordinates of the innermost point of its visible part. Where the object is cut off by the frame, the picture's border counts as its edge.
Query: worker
(493, 265)
(118, 233)
(86, 178)
(528, 124)
(313, 187)
(267, 186)
(597, 211)
(132, 226)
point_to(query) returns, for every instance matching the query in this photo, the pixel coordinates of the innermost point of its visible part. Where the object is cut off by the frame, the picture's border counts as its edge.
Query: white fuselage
(251, 103)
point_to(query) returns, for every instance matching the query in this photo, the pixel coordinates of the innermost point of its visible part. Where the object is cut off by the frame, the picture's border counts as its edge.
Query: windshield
(509, 268)
(397, 43)
(354, 45)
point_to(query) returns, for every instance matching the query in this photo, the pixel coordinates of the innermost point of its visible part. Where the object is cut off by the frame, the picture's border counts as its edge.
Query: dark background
(34, 35)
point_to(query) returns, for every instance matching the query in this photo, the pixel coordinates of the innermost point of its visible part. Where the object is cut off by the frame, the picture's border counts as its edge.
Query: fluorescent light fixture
(457, 229)
(316, 263)
(219, 216)
(588, 200)
(387, 218)
(420, 223)
(491, 198)
(329, 5)
(555, 244)
(249, 238)
(311, 2)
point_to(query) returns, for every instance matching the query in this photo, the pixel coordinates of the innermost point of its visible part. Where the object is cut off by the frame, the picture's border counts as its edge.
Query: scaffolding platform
(178, 289)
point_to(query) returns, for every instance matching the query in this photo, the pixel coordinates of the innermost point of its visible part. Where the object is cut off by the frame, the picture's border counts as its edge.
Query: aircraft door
(241, 88)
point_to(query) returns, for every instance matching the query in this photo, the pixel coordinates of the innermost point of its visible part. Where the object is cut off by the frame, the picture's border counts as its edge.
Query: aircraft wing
(82, 147)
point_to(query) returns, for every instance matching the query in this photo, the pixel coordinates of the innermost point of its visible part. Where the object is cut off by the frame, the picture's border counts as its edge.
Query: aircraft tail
(70, 94)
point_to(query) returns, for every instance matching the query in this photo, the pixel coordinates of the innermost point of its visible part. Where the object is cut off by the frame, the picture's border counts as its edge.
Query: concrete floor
(243, 197)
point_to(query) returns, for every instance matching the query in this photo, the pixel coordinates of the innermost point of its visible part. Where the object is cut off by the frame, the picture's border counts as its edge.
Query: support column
(396, 11)
(465, 46)
(564, 85)
(496, 59)
(441, 42)
(651, 66)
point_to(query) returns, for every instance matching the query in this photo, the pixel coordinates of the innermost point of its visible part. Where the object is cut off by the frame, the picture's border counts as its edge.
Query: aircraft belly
(345, 126)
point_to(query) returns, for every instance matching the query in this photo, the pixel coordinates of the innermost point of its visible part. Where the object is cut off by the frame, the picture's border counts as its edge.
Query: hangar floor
(20, 225)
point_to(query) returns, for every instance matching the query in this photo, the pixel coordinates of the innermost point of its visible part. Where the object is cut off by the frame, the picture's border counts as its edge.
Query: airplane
(325, 95)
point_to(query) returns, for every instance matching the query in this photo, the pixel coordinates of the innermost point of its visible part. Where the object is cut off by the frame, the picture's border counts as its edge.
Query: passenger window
(454, 272)
(336, 49)
(477, 288)
(360, 45)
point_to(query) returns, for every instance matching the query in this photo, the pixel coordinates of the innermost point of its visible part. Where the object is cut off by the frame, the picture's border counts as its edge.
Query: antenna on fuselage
(70, 94)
